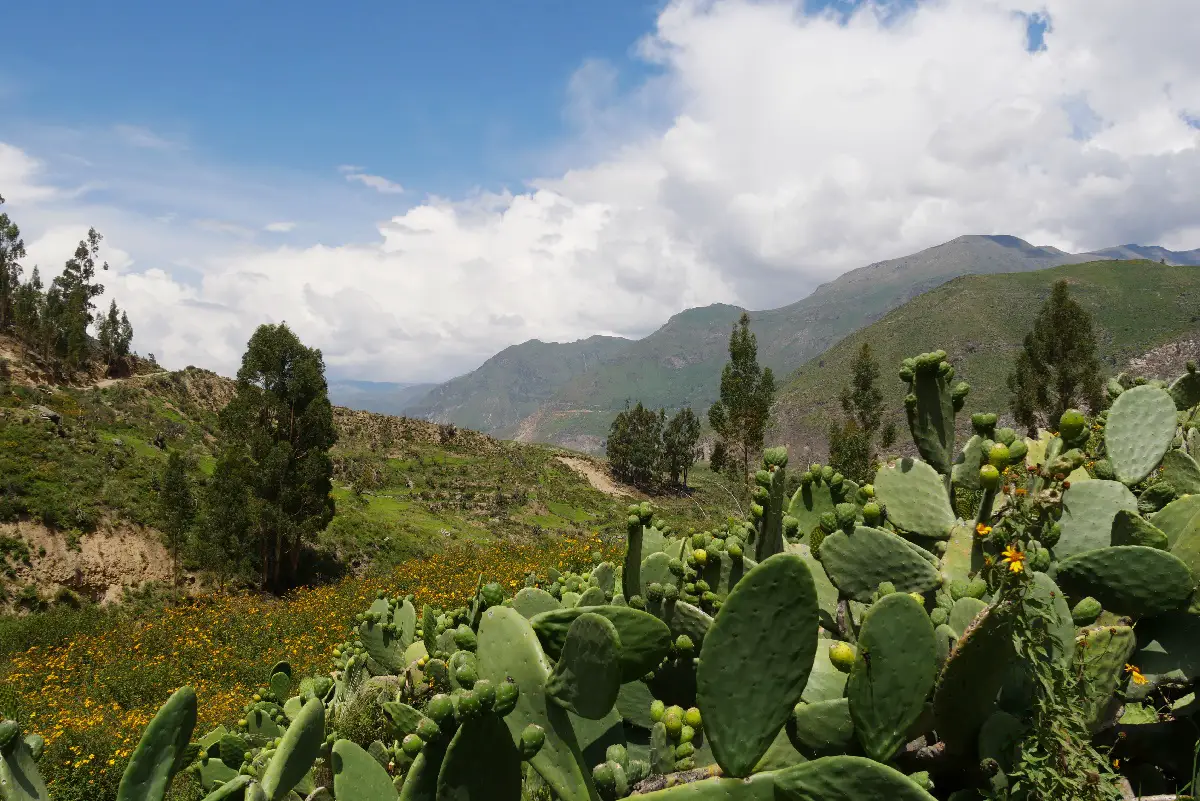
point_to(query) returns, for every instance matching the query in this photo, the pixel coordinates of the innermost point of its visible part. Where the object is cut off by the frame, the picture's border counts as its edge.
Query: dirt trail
(108, 382)
(596, 477)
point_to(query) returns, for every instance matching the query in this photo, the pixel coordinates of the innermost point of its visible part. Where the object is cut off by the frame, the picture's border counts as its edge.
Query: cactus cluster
(1016, 619)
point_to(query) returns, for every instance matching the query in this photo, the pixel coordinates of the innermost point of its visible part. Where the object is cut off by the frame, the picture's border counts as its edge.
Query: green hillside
(980, 321)
(680, 363)
(511, 385)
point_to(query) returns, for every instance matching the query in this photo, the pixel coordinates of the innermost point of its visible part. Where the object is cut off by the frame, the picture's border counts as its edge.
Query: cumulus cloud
(279, 227)
(769, 152)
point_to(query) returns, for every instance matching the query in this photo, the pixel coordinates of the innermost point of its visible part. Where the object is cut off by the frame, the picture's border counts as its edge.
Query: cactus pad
(759, 787)
(481, 764)
(1168, 647)
(1139, 431)
(508, 646)
(644, 639)
(1185, 390)
(1044, 591)
(1104, 653)
(892, 674)
(1181, 472)
(858, 563)
(1128, 579)
(1130, 528)
(963, 613)
(19, 777)
(766, 628)
(587, 675)
(1088, 512)
(296, 753)
(971, 680)
(915, 498)
(356, 774)
(159, 753)
(1178, 518)
(846, 778)
(822, 729)
(530, 601)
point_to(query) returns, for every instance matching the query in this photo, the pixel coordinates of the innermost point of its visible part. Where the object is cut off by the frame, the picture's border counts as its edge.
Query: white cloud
(376, 182)
(279, 227)
(138, 136)
(771, 152)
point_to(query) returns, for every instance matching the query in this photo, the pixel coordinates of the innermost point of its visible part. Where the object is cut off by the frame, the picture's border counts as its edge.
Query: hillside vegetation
(680, 364)
(1135, 305)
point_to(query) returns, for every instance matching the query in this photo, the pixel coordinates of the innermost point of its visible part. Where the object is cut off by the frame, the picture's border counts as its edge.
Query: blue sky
(416, 185)
(439, 97)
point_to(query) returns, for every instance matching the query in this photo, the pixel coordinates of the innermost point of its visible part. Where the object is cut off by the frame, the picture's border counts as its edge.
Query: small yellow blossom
(982, 530)
(1014, 558)
(1135, 674)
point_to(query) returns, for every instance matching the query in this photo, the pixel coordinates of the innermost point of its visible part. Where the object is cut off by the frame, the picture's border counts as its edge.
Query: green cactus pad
(915, 498)
(963, 557)
(1000, 738)
(296, 753)
(387, 640)
(966, 467)
(481, 764)
(857, 564)
(1178, 518)
(587, 675)
(19, 776)
(1130, 528)
(767, 628)
(1185, 390)
(233, 790)
(421, 779)
(971, 680)
(508, 646)
(1139, 431)
(633, 704)
(827, 594)
(605, 577)
(592, 596)
(892, 674)
(759, 787)
(825, 682)
(822, 729)
(531, 601)
(356, 774)
(1088, 512)
(1187, 548)
(1045, 592)
(1168, 648)
(723, 573)
(402, 718)
(684, 618)
(645, 640)
(214, 772)
(809, 502)
(1128, 579)
(963, 613)
(159, 753)
(1104, 652)
(1181, 472)
(656, 570)
(846, 778)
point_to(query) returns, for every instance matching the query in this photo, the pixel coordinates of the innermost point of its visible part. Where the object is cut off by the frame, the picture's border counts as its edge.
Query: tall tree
(680, 437)
(634, 447)
(281, 411)
(176, 506)
(78, 290)
(12, 250)
(747, 390)
(1057, 367)
(223, 539)
(851, 442)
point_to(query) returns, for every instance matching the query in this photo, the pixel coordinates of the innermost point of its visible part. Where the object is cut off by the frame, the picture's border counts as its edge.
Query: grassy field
(980, 321)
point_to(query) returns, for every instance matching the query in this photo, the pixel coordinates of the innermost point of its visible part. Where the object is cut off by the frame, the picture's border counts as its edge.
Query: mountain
(511, 385)
(980, 321)
(383, 397)
(680, 364)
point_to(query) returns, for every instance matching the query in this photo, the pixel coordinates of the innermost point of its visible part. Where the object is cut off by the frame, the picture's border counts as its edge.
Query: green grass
(980, 321)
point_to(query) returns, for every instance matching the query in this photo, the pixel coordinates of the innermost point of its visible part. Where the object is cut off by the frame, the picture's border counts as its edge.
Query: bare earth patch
(597, 477)
(106, 562)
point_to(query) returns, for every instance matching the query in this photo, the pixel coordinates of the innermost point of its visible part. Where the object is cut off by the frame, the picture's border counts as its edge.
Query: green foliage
(1058, 367)
(282, 415)
(851, 443)
(176, 506)
(740, 417)
(635, 446)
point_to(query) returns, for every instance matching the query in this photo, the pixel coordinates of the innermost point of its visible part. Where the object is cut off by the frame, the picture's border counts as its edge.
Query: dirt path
(595, 476)
(108, 382)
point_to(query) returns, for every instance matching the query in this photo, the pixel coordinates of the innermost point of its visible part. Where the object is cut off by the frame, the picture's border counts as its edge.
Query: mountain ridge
(680, 362)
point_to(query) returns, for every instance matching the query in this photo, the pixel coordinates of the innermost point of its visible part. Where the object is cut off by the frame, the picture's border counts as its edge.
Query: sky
(415, 186)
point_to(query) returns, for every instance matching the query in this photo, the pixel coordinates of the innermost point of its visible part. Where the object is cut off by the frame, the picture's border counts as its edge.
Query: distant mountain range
(376, 396)
(568, 393)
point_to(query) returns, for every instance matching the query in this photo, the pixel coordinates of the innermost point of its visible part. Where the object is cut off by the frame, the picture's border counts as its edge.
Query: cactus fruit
(842, 655)
(1086, 611)
(746, 638)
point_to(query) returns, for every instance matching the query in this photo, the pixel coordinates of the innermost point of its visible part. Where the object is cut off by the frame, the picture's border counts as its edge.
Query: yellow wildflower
(1014, 558)
(982, 530)
(1135, 674)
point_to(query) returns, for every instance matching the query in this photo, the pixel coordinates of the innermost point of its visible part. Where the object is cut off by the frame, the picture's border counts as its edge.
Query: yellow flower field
(91, 697)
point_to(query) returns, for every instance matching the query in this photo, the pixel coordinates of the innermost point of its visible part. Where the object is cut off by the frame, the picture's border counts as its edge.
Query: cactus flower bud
(412, 744)
(657, 710)
(872, 513)
(989, 476)
(673, 721)
(998, 456)
(533, 737)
